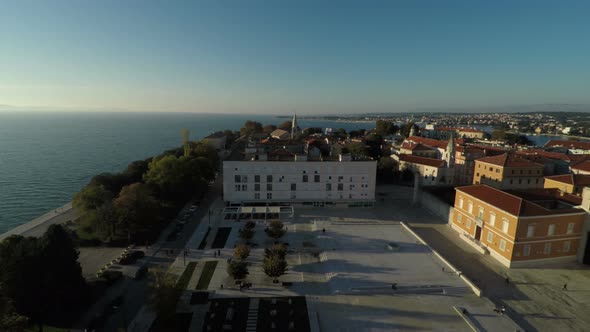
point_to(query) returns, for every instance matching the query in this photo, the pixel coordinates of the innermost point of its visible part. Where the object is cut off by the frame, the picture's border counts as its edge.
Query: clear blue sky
(305, 56)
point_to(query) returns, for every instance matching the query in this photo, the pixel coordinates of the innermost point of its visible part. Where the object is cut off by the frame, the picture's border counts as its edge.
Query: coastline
(39, 225)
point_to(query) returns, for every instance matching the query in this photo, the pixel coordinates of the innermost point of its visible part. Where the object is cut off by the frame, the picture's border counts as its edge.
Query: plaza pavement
(347, 273)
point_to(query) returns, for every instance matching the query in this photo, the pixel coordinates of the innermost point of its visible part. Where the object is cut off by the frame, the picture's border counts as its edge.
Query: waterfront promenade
(39, 225)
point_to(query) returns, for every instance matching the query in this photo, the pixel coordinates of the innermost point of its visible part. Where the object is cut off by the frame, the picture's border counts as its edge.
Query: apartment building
(431, 171)
(568, 183)
(282, 177)
(508, 171)
(520, 228)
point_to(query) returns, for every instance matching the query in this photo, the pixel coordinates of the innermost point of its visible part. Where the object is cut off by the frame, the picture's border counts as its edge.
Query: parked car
(131, 257)
(111, 276)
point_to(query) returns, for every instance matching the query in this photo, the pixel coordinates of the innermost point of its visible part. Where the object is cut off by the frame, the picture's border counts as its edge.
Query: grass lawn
(237, 318)
(186, 276)
(204, 241)
(180, 322)
(221, 237)
(295, 313)
(35, 328)
(206, 275)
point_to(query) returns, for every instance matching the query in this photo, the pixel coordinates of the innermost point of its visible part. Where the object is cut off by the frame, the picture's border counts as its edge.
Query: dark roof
(428, 141)
(518, 203)
(568, 144)
(582, 166)
(422, 160)
(509, 160)
(573, 179)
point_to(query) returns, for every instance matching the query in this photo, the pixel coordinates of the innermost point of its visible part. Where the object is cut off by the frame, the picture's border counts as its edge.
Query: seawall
(39, 225)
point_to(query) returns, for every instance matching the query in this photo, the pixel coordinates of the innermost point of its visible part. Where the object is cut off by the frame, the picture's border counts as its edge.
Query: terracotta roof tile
(428, 141)
(422, 160)
(568, 144)
(509, 160)
(582, 166)
(511, 203)
(573, 179)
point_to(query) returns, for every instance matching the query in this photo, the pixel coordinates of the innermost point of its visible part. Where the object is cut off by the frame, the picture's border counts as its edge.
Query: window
(269, 187)
(491, 168)
(470, 207)
(551, 230)
(293, 186)
(316, 178)
(570, 228)
(256, 178)
(244, 178)
(257, 187)
(340, 187)
(530, 231)
(328, 187)
(480, 213)
(536, 180)
(526, 250)
(350, 187)
(521, 171)
(497, 170)
(459, 217)
(547, 248)
(304, 178)
(502, 244)
(566, 246)
(269, 178)
(492, 219)
(529, 171)
(293, 195)
(511, 181)
(237, 187)
(268, 195)
(244, 187)
(256, 195)
(237, 178)
(340, 178)
(490, 237)
(519, 181)
(468, 223)
(505, 226)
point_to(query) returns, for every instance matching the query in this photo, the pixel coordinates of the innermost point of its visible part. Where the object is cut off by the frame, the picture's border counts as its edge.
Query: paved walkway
(38, 226)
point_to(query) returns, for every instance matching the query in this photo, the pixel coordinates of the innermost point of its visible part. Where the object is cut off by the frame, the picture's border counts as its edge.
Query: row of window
(269, 178)
(538, 171)
(340, 187)
(294, 195)
(505, 224)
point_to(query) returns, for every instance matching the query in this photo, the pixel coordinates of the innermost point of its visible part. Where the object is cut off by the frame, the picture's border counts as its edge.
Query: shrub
(241, 251)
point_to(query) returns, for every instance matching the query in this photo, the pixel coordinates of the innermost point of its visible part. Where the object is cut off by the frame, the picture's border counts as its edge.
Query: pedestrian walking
(507, 281)
(565, 286)
(219, 252)
(221, 286)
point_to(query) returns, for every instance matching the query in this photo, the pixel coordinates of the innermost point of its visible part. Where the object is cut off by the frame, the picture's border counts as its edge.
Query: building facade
(520, 229)
(300, 181)
(508, 171)
(568, 183)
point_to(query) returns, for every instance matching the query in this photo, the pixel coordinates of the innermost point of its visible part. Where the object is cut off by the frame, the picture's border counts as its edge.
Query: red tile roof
(568, 144)
(574, 179)
(422, 160)
(428, 141)
(511, 203)
(509, 160)
(582, 166)
(416, 146)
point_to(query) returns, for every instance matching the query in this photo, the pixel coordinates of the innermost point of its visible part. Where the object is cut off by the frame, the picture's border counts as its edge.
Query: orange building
(568, 183)
(508, 171)
(519, 228)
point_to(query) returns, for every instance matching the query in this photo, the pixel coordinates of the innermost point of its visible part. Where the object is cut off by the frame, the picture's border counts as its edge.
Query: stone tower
(450, 153)
(294, 126)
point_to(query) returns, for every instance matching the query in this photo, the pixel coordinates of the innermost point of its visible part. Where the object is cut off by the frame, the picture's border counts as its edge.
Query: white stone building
(300, 181)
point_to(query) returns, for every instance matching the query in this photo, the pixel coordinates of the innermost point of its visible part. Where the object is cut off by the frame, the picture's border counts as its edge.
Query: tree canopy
(385, 128)
(251, 127)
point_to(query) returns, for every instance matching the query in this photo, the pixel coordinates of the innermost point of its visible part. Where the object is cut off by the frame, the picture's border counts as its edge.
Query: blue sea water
(46, 157)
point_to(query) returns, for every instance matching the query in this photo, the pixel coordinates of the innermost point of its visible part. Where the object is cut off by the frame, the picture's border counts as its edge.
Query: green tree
(275, 229)
(137, 209)
(135, 170)
(357, 149)
(10, 320)
(163, 294)
(269, 129)
(277, 249)
(286, 125)
(407, 128)
(237, 269)
(386, 170)
(91, 198)
(246, 233)
(385, 128)
(105, 222)
(274, 266)
(168, 175)
(250, 128)
(311, 131)
(241, 251)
